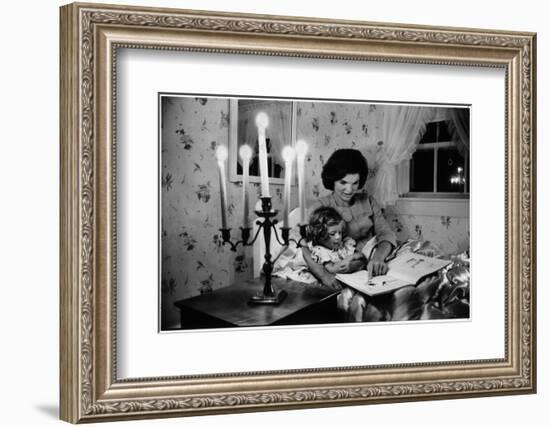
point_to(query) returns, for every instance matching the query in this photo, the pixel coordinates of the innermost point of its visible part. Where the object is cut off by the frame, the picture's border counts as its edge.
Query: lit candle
(262, 122)
(288, 156)
(221, 156)
(301, 151)
(246, 153)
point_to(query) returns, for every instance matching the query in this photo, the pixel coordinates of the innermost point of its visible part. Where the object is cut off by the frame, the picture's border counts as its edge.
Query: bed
(443, 295)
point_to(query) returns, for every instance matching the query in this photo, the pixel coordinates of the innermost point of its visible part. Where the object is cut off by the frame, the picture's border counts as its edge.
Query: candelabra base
(275, 299)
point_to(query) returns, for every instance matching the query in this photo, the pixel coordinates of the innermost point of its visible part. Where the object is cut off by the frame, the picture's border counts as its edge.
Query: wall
(444, 223)
(29, 174)
(327, 126)
(193, 258)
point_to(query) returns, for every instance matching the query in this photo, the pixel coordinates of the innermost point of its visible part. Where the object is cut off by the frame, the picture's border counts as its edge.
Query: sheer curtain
(460, 127)
(402, 128)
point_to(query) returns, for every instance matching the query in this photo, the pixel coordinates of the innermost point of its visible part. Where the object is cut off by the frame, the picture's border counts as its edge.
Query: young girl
(328, 242)
(331, 248)
(334, 250)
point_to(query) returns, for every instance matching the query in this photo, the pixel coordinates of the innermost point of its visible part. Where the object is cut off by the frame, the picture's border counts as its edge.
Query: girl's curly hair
(319, 221)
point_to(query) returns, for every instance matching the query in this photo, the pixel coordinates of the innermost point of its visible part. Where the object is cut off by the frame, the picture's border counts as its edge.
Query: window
(437, 167)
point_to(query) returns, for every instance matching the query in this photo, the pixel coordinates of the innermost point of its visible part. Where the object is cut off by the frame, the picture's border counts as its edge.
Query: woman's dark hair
(345, 161)
(319, 220)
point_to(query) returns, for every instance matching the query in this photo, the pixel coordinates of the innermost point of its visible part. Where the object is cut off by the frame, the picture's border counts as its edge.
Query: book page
(411, 267)
(384, 284)
(407, 269)
(361, 282)
(358, 280)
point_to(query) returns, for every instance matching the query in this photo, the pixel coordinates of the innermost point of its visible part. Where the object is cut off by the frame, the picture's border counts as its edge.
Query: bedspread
(443, 295)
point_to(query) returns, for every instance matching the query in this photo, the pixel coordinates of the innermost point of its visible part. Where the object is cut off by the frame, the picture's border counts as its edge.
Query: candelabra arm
(251, 242)
(268, 295)
(285, 233)
(245, 233)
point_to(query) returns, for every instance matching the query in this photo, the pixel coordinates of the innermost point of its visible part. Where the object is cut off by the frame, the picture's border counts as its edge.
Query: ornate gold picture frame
(91, 388)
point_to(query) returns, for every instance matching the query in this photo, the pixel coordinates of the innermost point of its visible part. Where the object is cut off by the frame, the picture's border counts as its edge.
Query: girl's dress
(323, 255)
(291, 264)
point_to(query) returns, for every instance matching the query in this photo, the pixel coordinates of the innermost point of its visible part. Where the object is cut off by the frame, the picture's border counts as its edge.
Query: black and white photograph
(279, 212)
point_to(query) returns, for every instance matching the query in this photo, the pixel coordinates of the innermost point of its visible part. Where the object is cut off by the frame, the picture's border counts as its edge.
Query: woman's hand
(376, 266)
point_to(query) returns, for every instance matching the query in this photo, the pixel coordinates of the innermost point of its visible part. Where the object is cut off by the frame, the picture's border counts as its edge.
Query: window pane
(422, 171)
(444, 133)
(450, 171)
(430, 135)
(436, 132)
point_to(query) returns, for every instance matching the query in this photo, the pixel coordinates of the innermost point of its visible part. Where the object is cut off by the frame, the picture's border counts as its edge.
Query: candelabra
(267, 224)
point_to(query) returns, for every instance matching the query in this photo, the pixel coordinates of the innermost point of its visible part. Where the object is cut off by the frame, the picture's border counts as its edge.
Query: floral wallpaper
(449, 234)
(327, 126)
(193, 259)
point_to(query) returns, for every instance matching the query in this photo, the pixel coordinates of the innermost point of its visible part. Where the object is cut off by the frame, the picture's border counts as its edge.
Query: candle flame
(288, 153)
(221, 153)
(262, 121)
(245, 152)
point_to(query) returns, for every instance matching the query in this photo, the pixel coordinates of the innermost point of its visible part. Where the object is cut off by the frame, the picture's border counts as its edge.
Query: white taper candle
(301, 151)
(221, 156)
(262, 121)
(288, 156)
(245, 152)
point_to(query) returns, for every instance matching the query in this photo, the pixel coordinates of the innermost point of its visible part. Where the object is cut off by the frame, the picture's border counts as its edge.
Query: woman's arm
(319, 271)
(382, 229)
(386, 241)
(377, 265)
(361, 243)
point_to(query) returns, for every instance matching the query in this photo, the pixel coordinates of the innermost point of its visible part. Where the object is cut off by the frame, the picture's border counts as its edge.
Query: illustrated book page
(406, 269)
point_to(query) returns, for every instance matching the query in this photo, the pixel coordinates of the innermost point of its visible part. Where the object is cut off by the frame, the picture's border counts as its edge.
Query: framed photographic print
(344, 210)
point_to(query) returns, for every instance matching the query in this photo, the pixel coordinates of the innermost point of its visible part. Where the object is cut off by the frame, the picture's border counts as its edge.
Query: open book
(406, 269)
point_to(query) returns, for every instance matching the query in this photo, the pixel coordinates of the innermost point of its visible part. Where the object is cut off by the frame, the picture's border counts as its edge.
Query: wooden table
(228, 306)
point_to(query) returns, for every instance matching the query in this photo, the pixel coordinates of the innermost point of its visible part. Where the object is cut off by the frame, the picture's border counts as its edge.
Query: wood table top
(230, 303)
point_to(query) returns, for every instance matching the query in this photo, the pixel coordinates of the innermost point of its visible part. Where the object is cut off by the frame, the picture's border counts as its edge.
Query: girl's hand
(329, 280)
(359, 255)
(348, 265)
(356, 262)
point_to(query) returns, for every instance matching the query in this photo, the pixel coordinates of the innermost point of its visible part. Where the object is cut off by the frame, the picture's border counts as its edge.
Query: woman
(345, 174)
